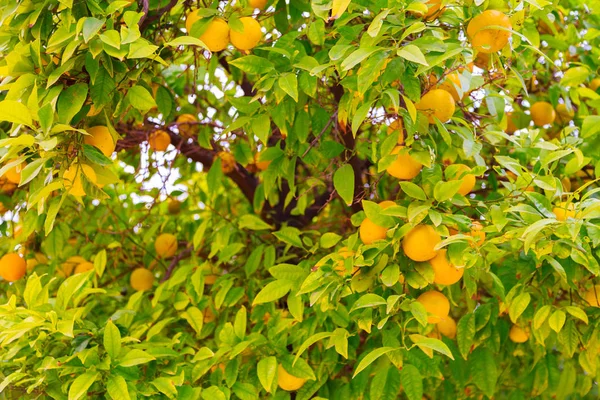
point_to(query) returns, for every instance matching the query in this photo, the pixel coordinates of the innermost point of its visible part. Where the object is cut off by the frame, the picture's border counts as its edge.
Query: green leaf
(273, 291)
(368, 300)
(557, 320)
(412, 53)
(245, 391)
(91, 26)
(465, 334)
(253, 222)
(186, 41)
(413, 190)
(135, 357)
(371, 357)
(96, 156)
(195, 318)
(412, 382)
(80, 386)
(289, 83)
(541, 315)
(518, 305)
(358, 56)
(359, 117)
(112, 340)
(575, 76)
(140, 98)
(484, 371)
(103, 88)
(15, 112)
(310, 341)
(239, 326)
(446, 190)
(70, 102)
(329, 239)
(165, 386)
(266, 371)
(431, 343)
(117, 388)
(343, 181)
(419, 312)
(253, 64)
(385, 385)
(577, 313)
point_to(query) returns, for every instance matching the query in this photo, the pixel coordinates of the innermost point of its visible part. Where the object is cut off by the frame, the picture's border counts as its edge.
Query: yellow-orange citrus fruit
(261, 165)
(141, 279)
(405, 167)
(340, 268)
(260, 4)
(436, 305)
(165, 245)
(228, 162)
(186, 125)
(210, 277)
(542, 113)
(592, 296)
(12, 267)
(445, 273)
(84, 267)
(174, 206)
(467, 181)
(13, 175)
(250, 35)
(100, 137)
(450, 85)
(370, 232)
(419, 243)
(434, 8)
(209, 315)
(437, 103)
(477, 233)
(511, 127)
(216, 34)
(485, 39)
(564, 210)
(595, 84)
(287, 381)
(37, 259)
(69, 265)
(159, 140)
(564, 114)
(72, 178)
(396, 125)
(447, 327)
(518, 334)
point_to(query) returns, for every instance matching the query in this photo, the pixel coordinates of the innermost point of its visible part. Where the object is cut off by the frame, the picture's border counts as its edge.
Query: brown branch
(145, 8)
(185, 253)
(148, 19)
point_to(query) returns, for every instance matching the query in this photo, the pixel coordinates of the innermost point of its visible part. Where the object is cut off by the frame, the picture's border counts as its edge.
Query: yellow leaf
(339, 6)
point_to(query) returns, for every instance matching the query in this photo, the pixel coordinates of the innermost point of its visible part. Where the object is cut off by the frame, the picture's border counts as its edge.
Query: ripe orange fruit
(511, 127)
(489, 40)
(186, 125)
(216, 35)
(100, 137)
(12, 267)
(228, 162)
(261, 165)
(542, 113)
(450, 85)
(159, 140)
(445, 273)
(437, 103)
(165, 245)
(370, 232)
(340, 268)
(250, 35)
(467, 181)
(477, 233)
(174, 206)
(13, 175)
(518, 334)
(434, 8)
(595, 84)
(210, 277)
(419, 243)
(84, 267)
(287, 381)
(141, 279)
(564, 210)
(405, 167)
(69, 265)
(209, 315)
(260, 4)
(72, 178)
(396, 125)
(482, 61)
(564, 114)
(592, 296)
(447, 327)
(436, 305)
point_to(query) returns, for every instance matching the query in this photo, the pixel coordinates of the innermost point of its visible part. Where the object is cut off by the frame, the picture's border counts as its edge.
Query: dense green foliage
(277, 155)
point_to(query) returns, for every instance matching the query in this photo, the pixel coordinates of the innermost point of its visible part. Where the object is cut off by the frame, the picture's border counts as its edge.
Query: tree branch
(246, 86)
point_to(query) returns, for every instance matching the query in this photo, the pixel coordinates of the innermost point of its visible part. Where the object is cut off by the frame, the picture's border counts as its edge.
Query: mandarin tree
(304, 199)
